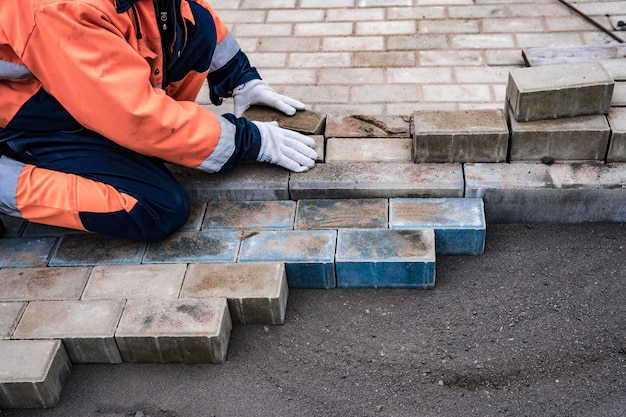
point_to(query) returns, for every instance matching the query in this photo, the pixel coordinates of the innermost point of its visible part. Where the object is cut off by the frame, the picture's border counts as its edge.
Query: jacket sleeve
(85, 62)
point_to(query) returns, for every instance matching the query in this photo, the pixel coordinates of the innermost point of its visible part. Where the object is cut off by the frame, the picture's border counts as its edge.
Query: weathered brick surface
(32, 373)
(203, 246)
(256, 292)
(10, 313)
(368, 213)
(250, 215)
(86, 327)
(175, 331)
(319, 147)
(391, 150)
(28, 284)
(25, 252)
(573, 138)
(555, 91)
(306, 122)
(460, 136)
(617, 147)
(362, 126)
(84, 249)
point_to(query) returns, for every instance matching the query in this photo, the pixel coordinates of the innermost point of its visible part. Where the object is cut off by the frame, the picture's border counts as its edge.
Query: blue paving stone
(379, 258)
(250, 215)
(88, 249)
(25, 252)
(308, 255)
(200, 247)
(459, 223)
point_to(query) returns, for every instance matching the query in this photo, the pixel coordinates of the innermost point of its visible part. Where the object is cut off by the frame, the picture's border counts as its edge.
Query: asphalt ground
(534, 327)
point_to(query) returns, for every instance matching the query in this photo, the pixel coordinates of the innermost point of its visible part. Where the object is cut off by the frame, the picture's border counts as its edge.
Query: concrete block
(459, 223)
(617, 146)
(306, 122)
(319, 147)
(558, 193)
(460, 136)
(250, 215)
(256, 292)
(308, 255)
(86, 327)
(10, 313)
(249, 182)
(370, 213)
(187, 247)
(115, 282)
(377, 180)
(175, 331)
(579, 138)
(194, 222)
(84, 249)
(361, 126)
(25, 252)
(32, 373)
(29, 284)
(393, 150)
(369, 258)
(555, 91)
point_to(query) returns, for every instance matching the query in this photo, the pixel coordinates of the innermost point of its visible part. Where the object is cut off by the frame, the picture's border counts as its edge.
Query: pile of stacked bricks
(388, 194)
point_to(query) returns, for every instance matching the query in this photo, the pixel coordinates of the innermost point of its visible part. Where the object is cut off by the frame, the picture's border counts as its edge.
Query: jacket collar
(123, 5)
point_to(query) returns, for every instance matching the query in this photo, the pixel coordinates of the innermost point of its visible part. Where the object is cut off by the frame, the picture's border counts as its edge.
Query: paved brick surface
(250, 215)
(29, 284)
(25, 252)
(368, 213)
(83, 249)
(10, 313)
(186, 247)
(617, 147)
(393, 150)
(364, 126)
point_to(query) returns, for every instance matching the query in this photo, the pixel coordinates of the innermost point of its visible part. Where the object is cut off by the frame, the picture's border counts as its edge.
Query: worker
(95, 97)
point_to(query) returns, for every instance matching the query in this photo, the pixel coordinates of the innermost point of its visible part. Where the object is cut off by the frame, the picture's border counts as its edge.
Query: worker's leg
(86, 182)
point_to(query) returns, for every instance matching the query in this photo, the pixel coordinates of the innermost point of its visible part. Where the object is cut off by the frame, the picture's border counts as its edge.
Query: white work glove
(259, 92)
(286, 148)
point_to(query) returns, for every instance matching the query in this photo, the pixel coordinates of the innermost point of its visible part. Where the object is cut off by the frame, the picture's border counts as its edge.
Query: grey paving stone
(10, 313)
(249, 182)
(30, 284)
(459, 223)
(134, 281)
(256, 292)
(250, 215)
(319, 147)
(13, 226)
(306, 122)
(617, 147)
(558, 193)
(308, 255)
(370, 258)
(175, 331)
(555, 91)
(566, 139)
(188, 247)
(87, 328)
(370, 213)
(86, 249)
(460, 136)
(361, 126)
(377, 180)
(32, 373)
(194, 222)
(391, 150)
(25, 252)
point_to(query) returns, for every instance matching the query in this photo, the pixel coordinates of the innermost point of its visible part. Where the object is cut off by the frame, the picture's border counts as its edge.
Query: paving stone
(459, 223)
(368, 213)
(87, 328)
(175, 331)
(29, 284)
(32, 373)
(558, 193)
(25, 252)
(249, 182)
(10, 313)
(250, 215)
(308, 255)
(361, 126)
(617, 147)
(319, 147)
(256, 292)
(391, 150)
(460, 136)
(194, 222)
(377, 180)
(564, 139)
(369, 258)
(86, 249)
(44, 230)
(13, 226)
(306, 121)
(134, 281)
(554, 91)
(209, 246)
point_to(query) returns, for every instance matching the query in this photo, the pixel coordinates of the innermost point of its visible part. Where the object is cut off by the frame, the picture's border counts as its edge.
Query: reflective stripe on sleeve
(224, 52)
(224, 148)
(10, 170)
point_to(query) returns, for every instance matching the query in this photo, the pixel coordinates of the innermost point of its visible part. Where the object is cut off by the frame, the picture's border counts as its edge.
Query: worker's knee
(162, 218)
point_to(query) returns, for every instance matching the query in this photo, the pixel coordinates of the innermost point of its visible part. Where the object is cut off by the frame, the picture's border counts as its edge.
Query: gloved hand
(286, 148)
(259, 92)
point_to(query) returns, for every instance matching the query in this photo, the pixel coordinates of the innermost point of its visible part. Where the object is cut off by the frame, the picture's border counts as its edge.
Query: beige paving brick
(293, 15)
(393, 150)
(477, 11)
(268, 4)
(408, 107)
(354, 108)
(288, 44)
(352, 76)
(450, 58)
(374, 3)
(253, 29)
(514, 25)
(326, 3)
(323, 29)
(86, 327)
(361, 126)
(268, 60)
(396, 27)
(10, 313)
(354, 15)
(482, 41)
(619, 95)
(354, 43)
(384, 59)
(531, 10)
(385, 92)
(447, 26)
(565, 23)
(319, 94)
(504, 57)
(175, 331)
(417, 13)
(319, 59)
(319, 147)
(32, 373)
(256, 292)
(530, 40)
(289, 75)
(617, 148)
(476, 75)
(114, 282)
(28, 284)
(417, 42)
(439, 2)
(235, 16)
(459, 92)
(420, 75)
